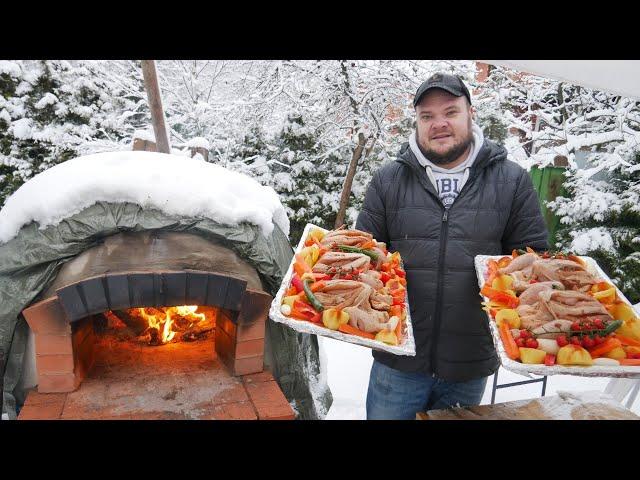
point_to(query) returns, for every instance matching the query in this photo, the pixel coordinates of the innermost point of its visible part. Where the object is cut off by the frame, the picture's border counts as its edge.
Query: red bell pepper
(400, 272)
(297, 283)
(385, 277)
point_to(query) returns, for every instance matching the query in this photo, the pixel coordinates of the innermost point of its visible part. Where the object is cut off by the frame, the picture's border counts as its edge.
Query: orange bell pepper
(398, 330)
(504, 261)
(300, 266)
(628, 341)
(346, 328)
(492, 271)
(291, 291)
(510, 346)
(609, 344)
(500, 297)
(630, 362)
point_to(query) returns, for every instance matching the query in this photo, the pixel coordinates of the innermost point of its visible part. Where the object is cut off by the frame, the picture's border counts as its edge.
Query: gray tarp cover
(30, 262)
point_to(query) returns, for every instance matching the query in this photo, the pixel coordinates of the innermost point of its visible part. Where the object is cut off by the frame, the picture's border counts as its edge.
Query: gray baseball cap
(449, 83)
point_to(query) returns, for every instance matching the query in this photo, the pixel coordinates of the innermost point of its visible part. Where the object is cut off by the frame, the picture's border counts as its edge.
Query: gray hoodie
(448, 182)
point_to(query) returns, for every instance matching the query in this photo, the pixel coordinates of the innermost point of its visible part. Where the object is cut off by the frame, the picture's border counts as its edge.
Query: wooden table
(564, 406)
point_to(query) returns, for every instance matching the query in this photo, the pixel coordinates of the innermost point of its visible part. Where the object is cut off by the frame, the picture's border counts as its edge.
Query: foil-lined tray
(407, 347)
(529, 370)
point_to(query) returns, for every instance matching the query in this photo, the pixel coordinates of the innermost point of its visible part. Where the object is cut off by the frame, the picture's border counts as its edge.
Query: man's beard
(450, 155)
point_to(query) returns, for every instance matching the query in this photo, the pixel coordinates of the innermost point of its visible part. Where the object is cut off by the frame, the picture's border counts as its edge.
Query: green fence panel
(549, 184)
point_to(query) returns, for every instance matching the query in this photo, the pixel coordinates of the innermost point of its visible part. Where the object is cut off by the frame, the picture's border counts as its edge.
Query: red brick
(250, 348)
(245, 366)
(41, 412)
(270, 402)
(53, 344)
(234, 394)
(47, 317)
(48, 364)
(233, 411)
(36, 399)
(252, 331)
(224, 323)
(67, 382)
(81, 330)
(225, 348)
(84, 356)
(258, 377)
(254, 308)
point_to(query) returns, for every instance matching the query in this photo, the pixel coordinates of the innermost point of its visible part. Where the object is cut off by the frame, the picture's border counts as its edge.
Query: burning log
(136, 324)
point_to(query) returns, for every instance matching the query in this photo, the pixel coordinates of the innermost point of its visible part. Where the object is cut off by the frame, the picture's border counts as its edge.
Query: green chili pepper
(346, 248)
(613, 326)
(315, 303)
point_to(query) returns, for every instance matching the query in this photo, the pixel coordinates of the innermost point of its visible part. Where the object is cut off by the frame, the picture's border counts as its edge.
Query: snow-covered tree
(549, 119)
(601, 218)
(51, 111)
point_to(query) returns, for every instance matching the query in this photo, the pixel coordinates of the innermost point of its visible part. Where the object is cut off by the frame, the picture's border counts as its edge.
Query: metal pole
(155, 105)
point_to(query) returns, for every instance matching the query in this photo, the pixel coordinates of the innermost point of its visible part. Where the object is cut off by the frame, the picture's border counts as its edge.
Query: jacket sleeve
(372, 217)
(526, 226)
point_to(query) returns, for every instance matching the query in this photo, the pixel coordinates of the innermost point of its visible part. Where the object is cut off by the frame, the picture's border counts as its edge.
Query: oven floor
(178, 381)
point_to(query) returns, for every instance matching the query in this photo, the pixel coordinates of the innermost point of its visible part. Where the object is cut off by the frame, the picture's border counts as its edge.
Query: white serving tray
(407, 347)
(528, 369)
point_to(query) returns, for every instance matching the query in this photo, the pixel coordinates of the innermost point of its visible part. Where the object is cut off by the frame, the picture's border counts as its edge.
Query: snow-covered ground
(348, 369)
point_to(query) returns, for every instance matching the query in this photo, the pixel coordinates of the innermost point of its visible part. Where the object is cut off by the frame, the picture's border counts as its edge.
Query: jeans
(397, 395)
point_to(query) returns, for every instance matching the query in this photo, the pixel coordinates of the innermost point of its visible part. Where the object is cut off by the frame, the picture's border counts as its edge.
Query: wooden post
(155, 105)
(348, 181)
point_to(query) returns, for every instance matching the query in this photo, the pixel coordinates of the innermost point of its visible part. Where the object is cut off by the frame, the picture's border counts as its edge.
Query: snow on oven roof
(177, 185)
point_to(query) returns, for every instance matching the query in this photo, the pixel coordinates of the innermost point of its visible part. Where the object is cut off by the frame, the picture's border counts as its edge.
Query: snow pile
(199, 142)
(152, 180)
(147, 135)
(591, 239)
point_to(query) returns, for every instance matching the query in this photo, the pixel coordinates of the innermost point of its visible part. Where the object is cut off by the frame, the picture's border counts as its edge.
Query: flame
(161, 319)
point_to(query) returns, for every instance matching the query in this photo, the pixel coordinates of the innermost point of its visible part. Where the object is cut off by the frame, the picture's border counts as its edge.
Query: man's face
(443, 126)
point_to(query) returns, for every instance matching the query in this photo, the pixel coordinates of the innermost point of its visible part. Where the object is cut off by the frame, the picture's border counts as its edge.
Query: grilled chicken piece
(553, 328)
(345, 237)
(355, 298)
(521, 280)
(342, 260)
(572, 275)
(572, 305)
(372, 278)
(521, 262)
(530, 295)
(380, 301)
(533, 316)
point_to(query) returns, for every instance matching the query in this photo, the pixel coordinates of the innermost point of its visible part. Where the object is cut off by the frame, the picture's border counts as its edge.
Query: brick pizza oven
(91, 366)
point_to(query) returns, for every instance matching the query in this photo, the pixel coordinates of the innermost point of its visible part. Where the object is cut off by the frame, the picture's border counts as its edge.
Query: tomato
(520, 342)
(588, 342)
(561, 340)
(598, 339)
(549, 359)
(400, 272)
(531, 343)
(575, 326)
(576, 341)
(598, 323)
(385, 277)
(525, 334)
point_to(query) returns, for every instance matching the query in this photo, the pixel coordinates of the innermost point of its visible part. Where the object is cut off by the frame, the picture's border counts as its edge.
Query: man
(450, 195)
